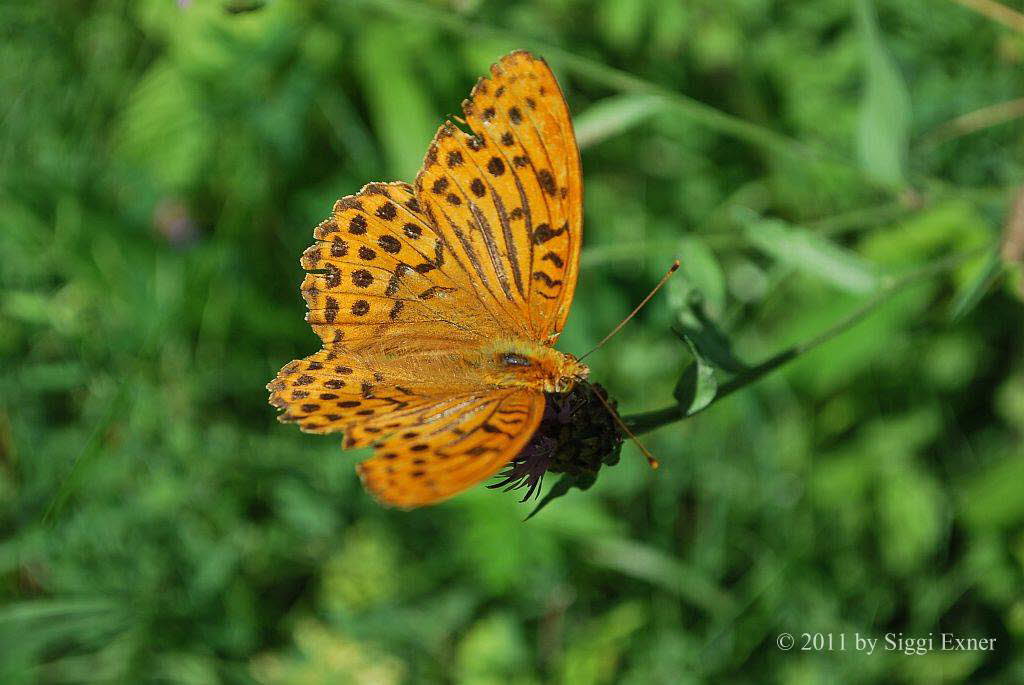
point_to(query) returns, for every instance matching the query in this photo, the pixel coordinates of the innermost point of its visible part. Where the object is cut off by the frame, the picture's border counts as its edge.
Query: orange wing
(380, 271)
(508, 200)
(404, 284)
(432, 440)
(442, 452)
(337, 390)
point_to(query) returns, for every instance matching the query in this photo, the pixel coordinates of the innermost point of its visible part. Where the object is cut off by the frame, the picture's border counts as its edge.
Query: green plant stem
(648, 421)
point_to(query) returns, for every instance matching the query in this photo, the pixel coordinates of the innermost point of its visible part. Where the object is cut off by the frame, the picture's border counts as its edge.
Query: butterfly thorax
(527, 364)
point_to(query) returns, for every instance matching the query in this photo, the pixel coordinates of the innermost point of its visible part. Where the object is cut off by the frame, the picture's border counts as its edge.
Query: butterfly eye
(513, 359)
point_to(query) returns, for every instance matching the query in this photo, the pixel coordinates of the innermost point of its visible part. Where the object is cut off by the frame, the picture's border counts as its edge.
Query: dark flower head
(576, 437)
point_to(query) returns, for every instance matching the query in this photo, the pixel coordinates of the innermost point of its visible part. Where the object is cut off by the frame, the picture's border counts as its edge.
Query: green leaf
(697, 386)
(21, 613)
(700, 269)
(812, 254)
(614, 115)
(948, 226)
(968, 297)
(884, 127)
(712, 342)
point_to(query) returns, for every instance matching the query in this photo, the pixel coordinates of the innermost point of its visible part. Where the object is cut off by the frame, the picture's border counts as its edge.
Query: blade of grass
(969, 296)
(88, 451)
(612, 116)
(883, 130)
(978, 120)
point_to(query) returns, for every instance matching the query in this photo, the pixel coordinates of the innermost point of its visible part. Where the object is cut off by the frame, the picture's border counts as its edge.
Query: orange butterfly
(438, 304)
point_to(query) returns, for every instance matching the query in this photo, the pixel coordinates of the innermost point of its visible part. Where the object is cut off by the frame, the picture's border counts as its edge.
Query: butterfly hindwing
(431, 442)
(340, 390)
(331, 391)
(447, 451)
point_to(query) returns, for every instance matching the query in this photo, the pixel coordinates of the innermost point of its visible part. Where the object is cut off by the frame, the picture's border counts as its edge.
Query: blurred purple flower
(173, 221)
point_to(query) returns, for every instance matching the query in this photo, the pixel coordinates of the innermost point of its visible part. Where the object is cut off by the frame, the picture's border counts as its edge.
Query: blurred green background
(163, 166)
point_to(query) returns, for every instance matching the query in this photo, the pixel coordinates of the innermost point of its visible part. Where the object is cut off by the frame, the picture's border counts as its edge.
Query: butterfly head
(528, 364)
(570, 372)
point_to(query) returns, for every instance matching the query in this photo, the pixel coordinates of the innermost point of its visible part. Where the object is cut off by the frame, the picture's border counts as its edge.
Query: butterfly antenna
(640, 306)
(651, 461)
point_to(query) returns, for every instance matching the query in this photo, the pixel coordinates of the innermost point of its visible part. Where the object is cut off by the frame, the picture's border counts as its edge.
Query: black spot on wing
(496, 166)
(554, 259)
(548, 281)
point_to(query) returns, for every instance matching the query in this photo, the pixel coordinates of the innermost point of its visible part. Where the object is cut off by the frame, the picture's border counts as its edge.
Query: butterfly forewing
(520, 111)
(508, 197)
(381, 270)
